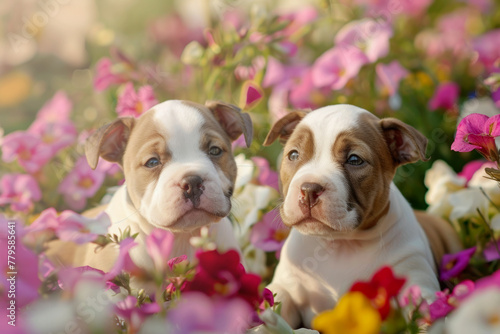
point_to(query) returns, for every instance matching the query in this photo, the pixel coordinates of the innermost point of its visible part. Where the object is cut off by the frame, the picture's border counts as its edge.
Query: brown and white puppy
(348, 219)
(179, 175)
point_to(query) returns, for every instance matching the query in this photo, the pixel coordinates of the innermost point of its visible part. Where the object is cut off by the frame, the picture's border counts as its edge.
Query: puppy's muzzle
(309, 194)
(193, 188)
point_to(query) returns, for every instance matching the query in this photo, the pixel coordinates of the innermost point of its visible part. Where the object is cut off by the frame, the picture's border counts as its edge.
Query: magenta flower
(107, 75)
(390, 75)
(371, 37)
(159, 245)
(23, 267)
(134, 104)
(79, 229)
(135, 314)
(492, 251)
(487, 48)
(267, 176)
(487, 282)
(173, 262)
(454, 264)
(337, 66)
(28, 149)
(196, 313)
(445, 96)
(20, 191)
(81, 183)
(478, 132)
(251, 95)
(495, 95)
(446, 302)
(270, 233)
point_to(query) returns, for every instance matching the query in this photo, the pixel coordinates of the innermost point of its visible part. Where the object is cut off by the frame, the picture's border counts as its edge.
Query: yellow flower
(353, 314)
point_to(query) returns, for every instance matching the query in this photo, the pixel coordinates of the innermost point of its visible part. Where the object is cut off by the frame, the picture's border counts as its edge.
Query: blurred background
(424, 62)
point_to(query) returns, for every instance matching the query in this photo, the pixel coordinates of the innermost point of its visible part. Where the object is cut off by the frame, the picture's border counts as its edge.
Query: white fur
(319, 265)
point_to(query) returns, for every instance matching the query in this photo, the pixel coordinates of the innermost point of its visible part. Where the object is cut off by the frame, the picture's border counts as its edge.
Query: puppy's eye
(293, 155)
(215, 151)
(151, 163)
(354, 160)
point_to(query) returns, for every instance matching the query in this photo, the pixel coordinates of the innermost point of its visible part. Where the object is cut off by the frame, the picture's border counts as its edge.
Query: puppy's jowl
(348, 219)
(179, 172)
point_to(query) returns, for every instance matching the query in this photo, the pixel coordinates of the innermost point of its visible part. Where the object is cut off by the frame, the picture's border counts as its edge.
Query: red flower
(222, 274)
(382, 287)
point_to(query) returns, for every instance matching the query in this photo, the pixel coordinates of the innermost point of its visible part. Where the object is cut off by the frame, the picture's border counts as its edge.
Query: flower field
(69, 67)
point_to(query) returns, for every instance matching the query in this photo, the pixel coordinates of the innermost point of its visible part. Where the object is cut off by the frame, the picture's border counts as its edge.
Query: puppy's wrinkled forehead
(176, 120)
(329, 122)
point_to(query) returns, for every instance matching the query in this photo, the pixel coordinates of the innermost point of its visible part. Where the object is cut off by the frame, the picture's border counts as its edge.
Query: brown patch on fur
(214, 134)
(302, 141)
(443, 238)
(369, 183)
(145, 142)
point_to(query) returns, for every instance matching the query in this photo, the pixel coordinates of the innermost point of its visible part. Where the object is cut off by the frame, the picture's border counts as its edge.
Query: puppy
(179, 172)
(348, 219)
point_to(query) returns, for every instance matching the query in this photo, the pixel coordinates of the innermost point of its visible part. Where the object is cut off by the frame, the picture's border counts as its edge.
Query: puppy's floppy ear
(405, 143)
(232, 120)
(109, 141)
(284, 127)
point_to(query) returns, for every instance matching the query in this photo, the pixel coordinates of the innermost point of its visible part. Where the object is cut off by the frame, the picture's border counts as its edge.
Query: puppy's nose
(193, 188)
(309, 194)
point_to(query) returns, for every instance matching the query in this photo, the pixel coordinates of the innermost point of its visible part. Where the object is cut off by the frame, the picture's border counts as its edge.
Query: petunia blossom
(197, 313)
(390, 75)
(159, 243)
(27, 148)
(267, 176)
(354, 313)
(445, 96)
(337, 66)
(446, 302)
(81, 183)
(133, 313)
(80, 229)
(453, 264)
(369, 36)
(478, 132)
(20, 191)
(107, 75)
(492, 251)
(270, 233)
(487, 49)
(123, 260)
(251, 95)
(132, 103)
(380, 289)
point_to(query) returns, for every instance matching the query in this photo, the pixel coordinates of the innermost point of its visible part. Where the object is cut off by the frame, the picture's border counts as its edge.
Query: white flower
(495, 222)
(479, 314)
(255, 260)
(246, 170)
(481, 180)
(441, 181)
(466, 202)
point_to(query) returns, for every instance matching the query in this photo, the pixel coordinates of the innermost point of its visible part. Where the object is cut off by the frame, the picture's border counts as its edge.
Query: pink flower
(68, 278)
(56, 109)
(123, 261)
(22, 270)
(489, 281)
(81, 183)
(267, 177)
(478, 132)
(390, 75)
(159, 245)
(47, 220)
(134, 104)
(454, 264)
(107, 75)
(492, 251)
(28, 149)
(173, 262)
(495, 95)
(298, 19)
(487, 48)
(19, 190)
(270, 233)
(412, 296)
(445, 96)
(389, 8)
(196, 313)
(337, 66)
(135, 314)
(251, 95)
(79, 229)
(305, 95)
(446, 302)
(370, 36)
(472, 167)
(242, 72)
